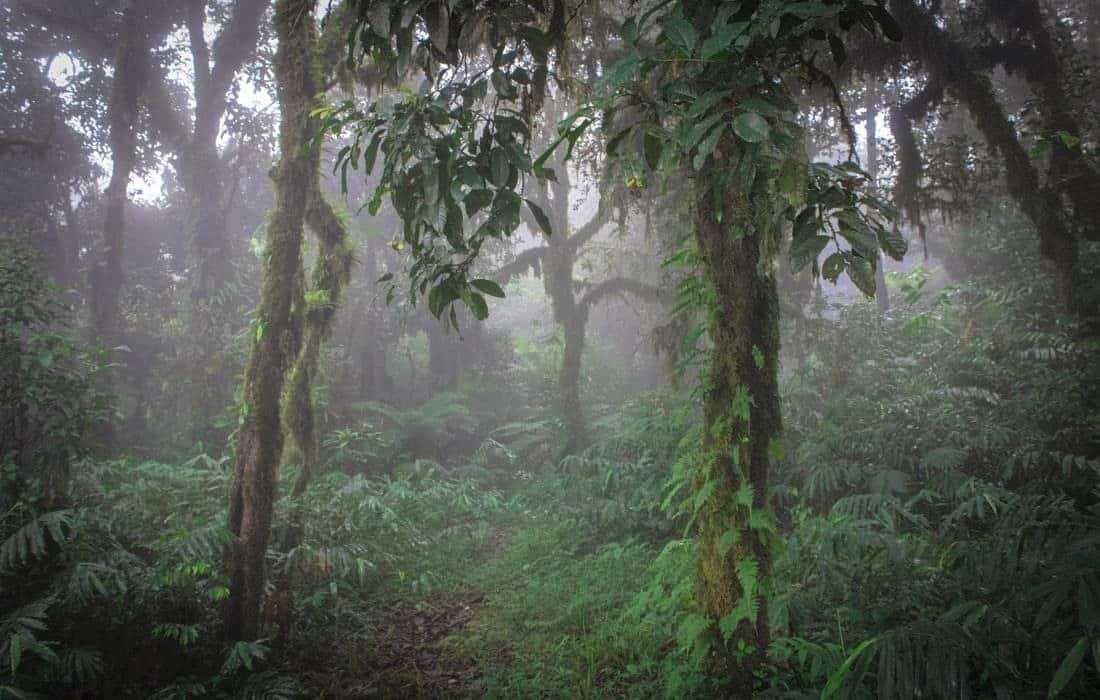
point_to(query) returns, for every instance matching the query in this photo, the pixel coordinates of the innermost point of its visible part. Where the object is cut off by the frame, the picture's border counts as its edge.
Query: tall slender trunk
(205, 176)
(210, 324)
(122, 115)
(374, 383)
(742, 419)
(276, 340)
(570, 316)
(870, 106)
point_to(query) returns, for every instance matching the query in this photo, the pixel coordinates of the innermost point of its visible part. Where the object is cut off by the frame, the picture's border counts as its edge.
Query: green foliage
(48, 398)
(941, 494)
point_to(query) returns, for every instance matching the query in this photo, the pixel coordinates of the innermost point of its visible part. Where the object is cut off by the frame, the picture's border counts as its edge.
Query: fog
(549, 348)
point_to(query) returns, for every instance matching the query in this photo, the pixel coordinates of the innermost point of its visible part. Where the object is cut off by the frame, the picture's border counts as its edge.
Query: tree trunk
(374, 383)
(122, 115)
(742, 419)
(569, 381)
(870, 104)
(210, 322)
(204, 175)
(276, 340)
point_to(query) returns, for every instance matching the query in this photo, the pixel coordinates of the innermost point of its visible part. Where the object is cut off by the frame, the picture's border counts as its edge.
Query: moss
(744, 329)
(277, 338)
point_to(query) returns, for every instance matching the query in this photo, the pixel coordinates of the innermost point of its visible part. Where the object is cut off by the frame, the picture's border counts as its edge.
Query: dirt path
(416, 650)
(414, 659)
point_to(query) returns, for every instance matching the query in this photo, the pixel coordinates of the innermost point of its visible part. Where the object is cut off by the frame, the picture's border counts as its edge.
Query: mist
(549, 349)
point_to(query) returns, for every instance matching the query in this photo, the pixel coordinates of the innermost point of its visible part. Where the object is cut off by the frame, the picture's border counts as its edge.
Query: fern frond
(32, 540)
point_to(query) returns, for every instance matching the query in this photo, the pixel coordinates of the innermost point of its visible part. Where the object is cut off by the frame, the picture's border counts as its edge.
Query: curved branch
(619, 285)
(527, 260)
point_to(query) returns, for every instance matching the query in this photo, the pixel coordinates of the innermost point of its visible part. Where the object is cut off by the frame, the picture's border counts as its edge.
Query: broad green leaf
(862, 274)
(720, 40)
(630, 32)
(833, 266)
(750, 127)
(893, 243)
(728, 541)
(681, 34)
(499, 168)
(477, 305)
(804, 251)
(488, 287)
(652, 146)
(890, 27)
(371, 154)
(1068, 668)
(540, 217)
(622, 72)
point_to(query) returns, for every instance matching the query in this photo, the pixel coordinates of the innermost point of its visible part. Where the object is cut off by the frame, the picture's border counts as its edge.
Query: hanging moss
(949, 64)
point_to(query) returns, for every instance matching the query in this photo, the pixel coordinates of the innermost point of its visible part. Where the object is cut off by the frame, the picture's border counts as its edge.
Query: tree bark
(742, 419)
(276, 341)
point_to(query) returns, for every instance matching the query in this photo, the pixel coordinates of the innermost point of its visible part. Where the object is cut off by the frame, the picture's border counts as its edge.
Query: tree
(292, 320)
(556, 259)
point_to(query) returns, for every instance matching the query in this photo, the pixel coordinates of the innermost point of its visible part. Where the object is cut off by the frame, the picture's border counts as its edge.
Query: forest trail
(418, 649)
(415, 657)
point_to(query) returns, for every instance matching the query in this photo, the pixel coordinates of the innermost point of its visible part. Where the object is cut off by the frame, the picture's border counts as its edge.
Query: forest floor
(533, 609)
(419, 650)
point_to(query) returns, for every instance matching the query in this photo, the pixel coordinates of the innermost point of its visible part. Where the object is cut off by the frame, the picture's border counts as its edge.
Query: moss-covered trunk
(276, 340)
(330, 275)
(558, 264)
(742, 418)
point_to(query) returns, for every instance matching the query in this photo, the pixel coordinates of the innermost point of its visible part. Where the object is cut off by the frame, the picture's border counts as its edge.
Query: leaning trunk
(948, 63)
(742, 419)
(260, 439)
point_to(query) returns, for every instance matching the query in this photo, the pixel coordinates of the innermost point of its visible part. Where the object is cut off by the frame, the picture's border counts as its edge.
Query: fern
(32, 540)
(89, 581)
(19, 635)
(78, 667)
(242, 656)
(271, 685)
(184, 635)
(183, 690)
